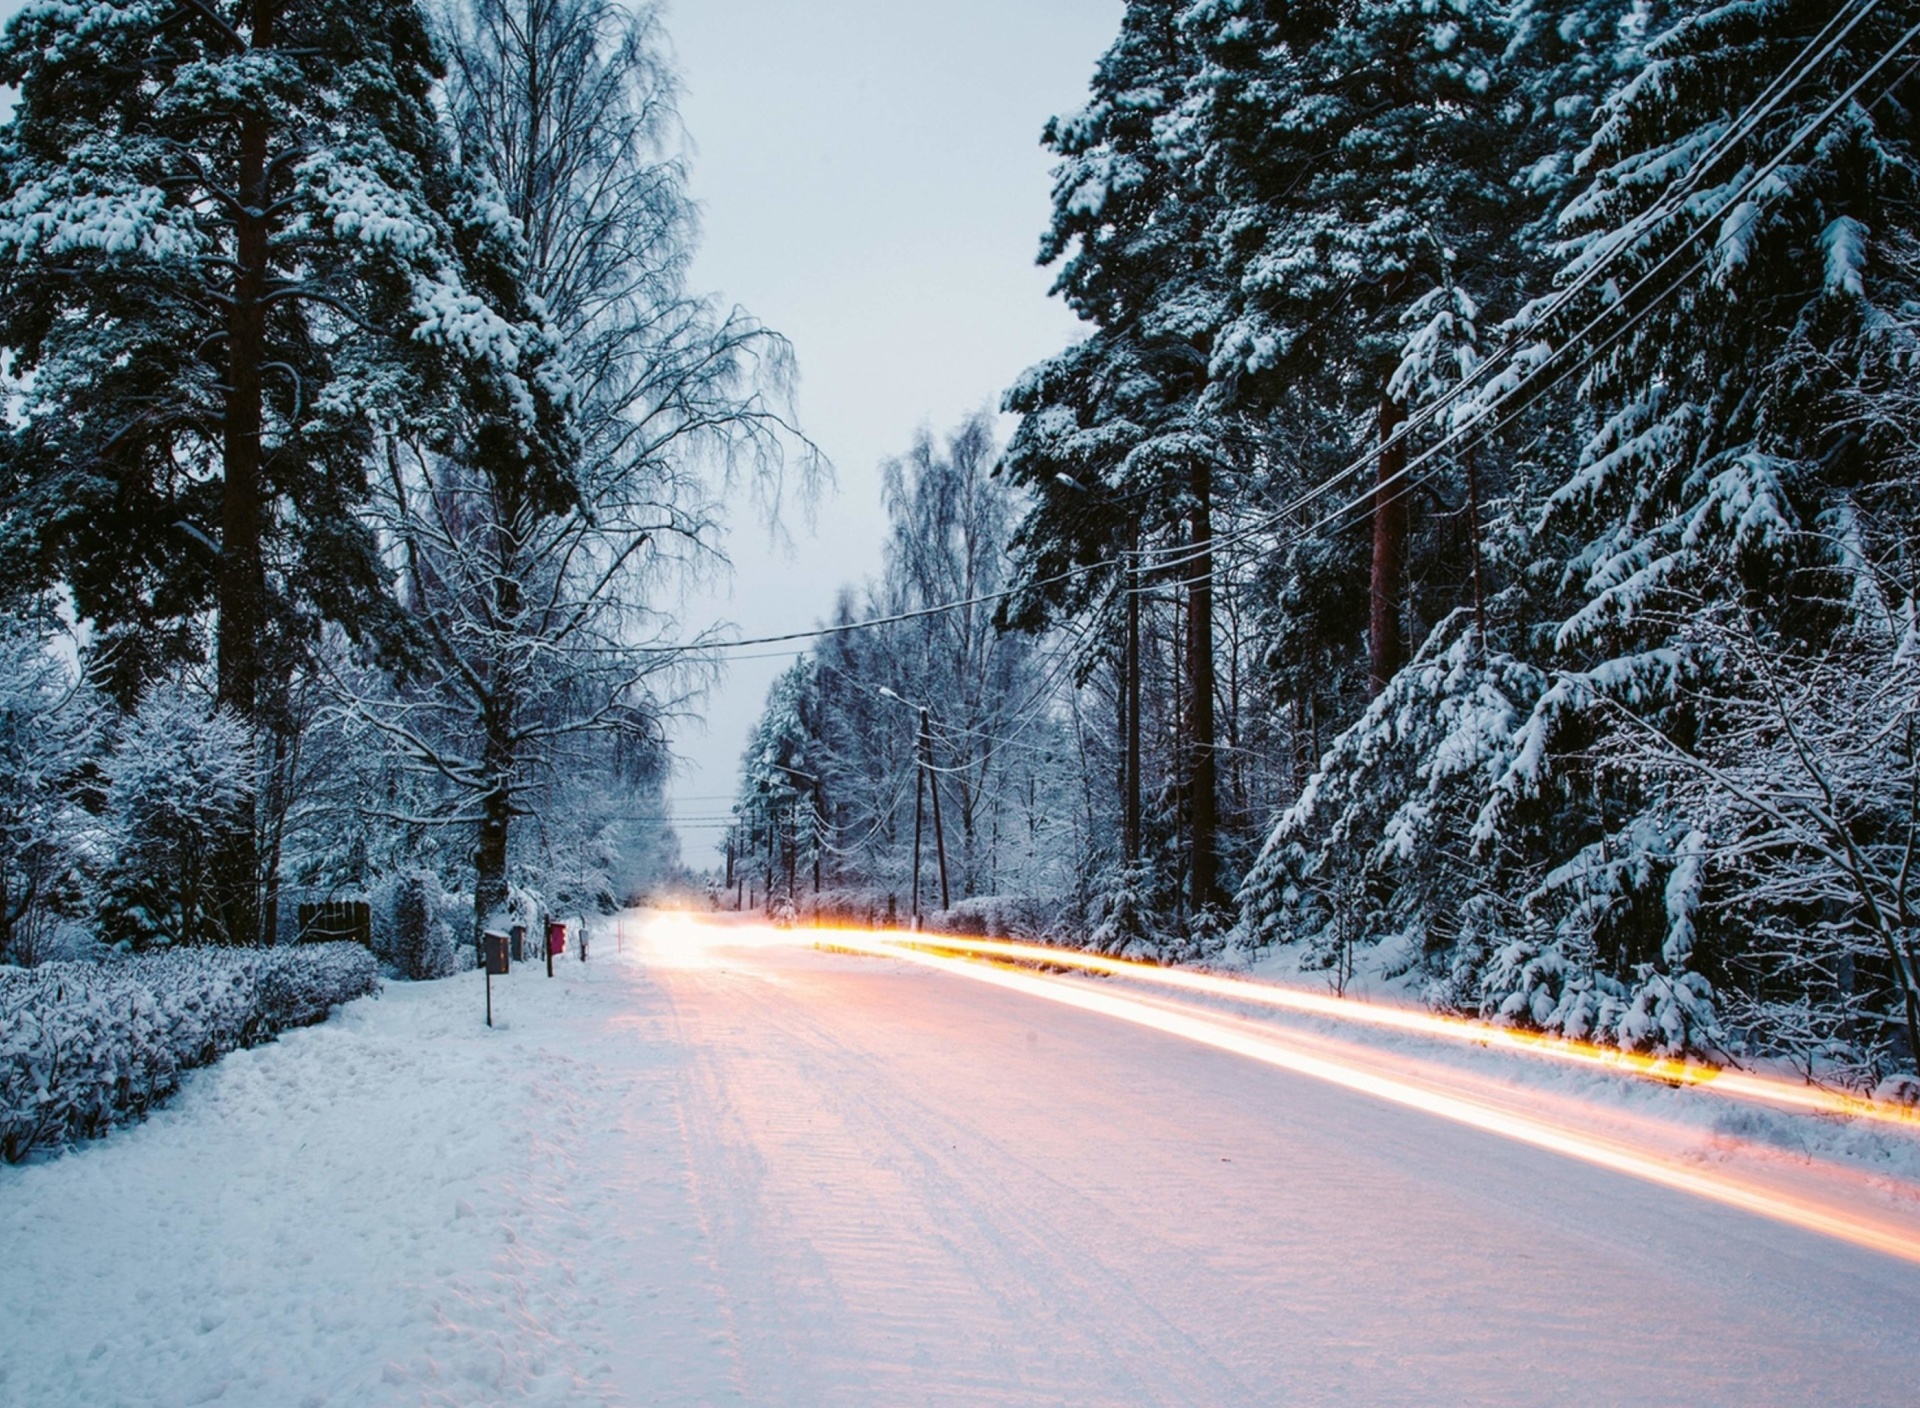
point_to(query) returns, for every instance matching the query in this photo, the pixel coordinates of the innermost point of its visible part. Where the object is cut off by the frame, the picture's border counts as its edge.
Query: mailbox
(517, 949)
(496, 947)
(556, 936)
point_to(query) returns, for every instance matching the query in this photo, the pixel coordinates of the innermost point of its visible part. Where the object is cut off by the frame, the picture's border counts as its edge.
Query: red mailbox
(556, 936)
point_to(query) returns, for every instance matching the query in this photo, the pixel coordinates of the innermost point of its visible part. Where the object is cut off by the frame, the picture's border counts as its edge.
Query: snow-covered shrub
(46, 733)
(180, 778)
(84, 1046)
(855, 907)
(994, 917)
(423, 945)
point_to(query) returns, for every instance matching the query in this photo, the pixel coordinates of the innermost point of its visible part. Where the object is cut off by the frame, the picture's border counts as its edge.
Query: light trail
(1722, 1080)
(1886, 1237)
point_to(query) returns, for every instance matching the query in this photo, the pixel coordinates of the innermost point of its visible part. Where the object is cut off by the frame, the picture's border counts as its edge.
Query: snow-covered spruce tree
(1390, 169)
(178, 779)
(1364, 155)
(226, 254)
(533, 583)
(778, 831)
(1115, 444)
(1722, 468)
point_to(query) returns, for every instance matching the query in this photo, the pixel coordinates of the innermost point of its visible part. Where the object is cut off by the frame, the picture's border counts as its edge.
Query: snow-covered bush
(423, 944)
(84, 1046)
(179, 777)
(46, 731)
(995, 917)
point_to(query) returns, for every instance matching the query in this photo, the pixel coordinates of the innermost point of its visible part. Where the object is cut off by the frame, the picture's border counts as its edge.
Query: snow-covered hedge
(84, 1046)
(996, 917)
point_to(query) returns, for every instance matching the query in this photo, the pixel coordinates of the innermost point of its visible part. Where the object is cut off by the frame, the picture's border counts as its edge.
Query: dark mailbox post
(494, 945)
(518, 933)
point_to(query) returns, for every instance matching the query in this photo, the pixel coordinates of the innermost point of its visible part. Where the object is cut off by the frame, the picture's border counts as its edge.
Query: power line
(1476, 429)
(1815, 51)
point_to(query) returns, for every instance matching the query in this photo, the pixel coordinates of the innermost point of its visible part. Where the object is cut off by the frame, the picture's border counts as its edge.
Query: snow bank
(84, 1046)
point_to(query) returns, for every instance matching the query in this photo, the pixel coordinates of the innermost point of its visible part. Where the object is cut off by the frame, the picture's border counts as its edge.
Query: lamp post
(932, 782)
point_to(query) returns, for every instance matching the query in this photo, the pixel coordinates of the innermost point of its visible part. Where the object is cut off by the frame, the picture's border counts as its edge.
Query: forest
(1473, 539)
(360, 419)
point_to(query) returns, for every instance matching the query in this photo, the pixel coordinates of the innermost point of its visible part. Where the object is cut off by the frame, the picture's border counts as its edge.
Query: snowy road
(720, 1170)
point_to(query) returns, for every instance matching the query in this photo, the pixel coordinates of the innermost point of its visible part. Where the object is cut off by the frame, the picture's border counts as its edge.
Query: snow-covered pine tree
(1437, 169)
(1365, 155)
(1116, 445)
(228, 252)
(1752, 186)
(178, 780)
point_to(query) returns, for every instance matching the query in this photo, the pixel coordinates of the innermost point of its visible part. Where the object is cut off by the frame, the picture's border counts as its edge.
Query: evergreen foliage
(1591, 317)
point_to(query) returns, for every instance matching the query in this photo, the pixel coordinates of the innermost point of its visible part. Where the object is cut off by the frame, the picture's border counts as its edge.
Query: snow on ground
(717, 1169)
(396, 1207)
(1725, 1129)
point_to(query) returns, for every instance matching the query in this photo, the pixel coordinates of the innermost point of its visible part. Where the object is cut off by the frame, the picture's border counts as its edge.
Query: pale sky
(874, 188)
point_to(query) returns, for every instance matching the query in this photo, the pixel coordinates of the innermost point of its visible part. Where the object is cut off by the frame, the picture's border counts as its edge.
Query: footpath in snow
(723, 1167)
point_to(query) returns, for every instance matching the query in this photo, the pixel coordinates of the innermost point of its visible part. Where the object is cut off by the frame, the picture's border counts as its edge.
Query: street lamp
(928, 782)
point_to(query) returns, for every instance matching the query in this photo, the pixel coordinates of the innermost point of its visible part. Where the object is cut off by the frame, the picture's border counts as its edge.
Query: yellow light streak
(1888, 1238)
(1736, 1084)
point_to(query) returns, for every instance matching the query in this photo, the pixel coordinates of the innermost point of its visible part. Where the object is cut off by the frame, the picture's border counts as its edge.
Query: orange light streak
(1736, 1084)
(1888, 1238)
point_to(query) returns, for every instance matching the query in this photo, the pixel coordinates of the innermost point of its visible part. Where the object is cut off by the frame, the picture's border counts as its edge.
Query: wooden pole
(933, 786)
(919, 803)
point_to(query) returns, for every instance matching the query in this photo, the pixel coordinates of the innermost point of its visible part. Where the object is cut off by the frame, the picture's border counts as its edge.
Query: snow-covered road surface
(717, 1169)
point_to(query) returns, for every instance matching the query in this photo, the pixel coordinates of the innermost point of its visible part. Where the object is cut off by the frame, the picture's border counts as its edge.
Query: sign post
(495, 947)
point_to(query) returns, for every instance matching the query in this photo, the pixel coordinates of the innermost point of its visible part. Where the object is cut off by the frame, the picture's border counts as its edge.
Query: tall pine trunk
(1385, 653)
(1203, 768)
(242, 586)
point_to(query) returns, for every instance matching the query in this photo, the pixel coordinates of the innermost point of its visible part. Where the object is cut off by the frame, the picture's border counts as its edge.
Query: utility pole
(933, 786)
(923, 782)
(919, 805)
(793, 843)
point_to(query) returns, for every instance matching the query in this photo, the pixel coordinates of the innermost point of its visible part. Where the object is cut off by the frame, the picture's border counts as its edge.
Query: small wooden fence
(337, 919)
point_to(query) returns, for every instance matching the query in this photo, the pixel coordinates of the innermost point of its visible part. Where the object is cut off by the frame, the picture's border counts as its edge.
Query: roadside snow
(724, 1167)
(396, 1207)
(1698, 1120)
